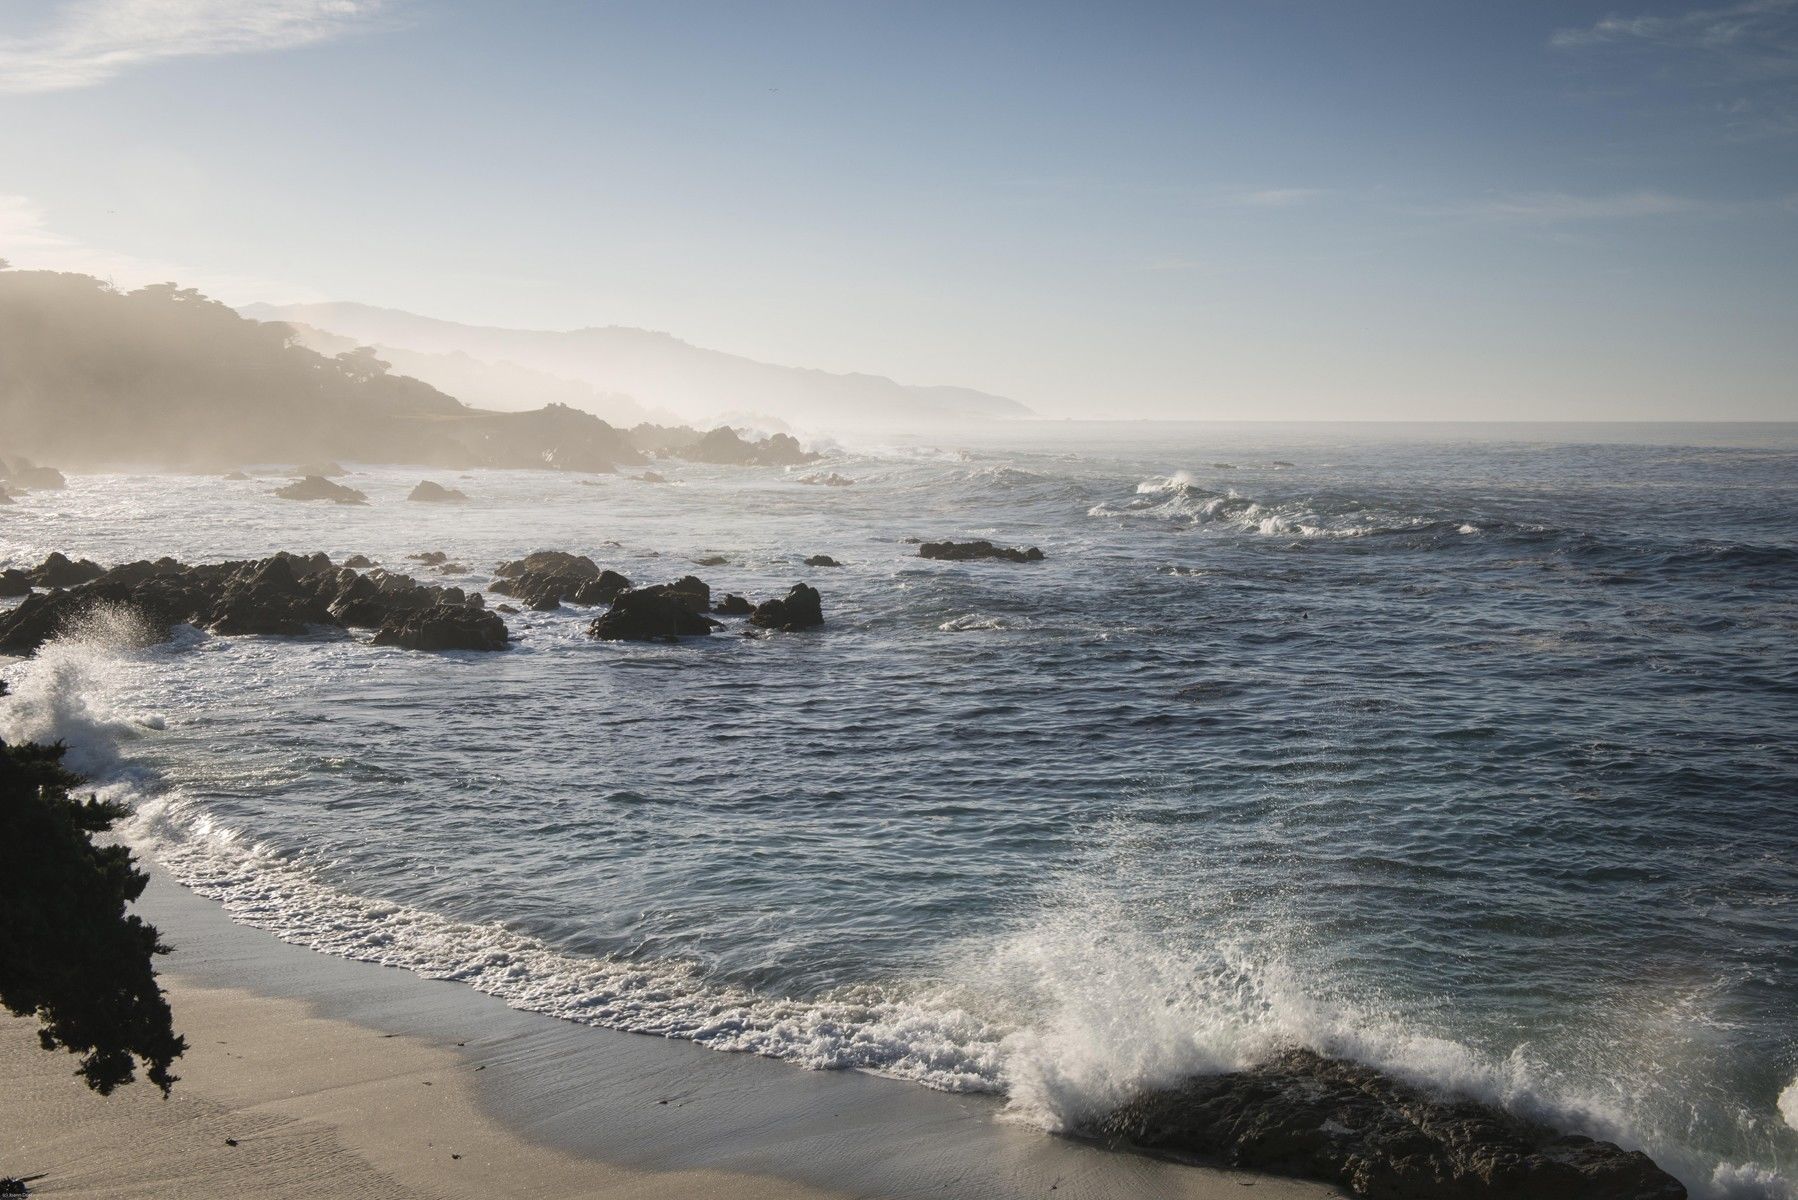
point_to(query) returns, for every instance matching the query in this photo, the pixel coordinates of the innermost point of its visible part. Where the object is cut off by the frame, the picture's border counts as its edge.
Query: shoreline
(338, 1077)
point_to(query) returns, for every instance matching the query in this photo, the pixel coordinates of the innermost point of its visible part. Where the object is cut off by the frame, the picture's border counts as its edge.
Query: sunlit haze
(1255, 210)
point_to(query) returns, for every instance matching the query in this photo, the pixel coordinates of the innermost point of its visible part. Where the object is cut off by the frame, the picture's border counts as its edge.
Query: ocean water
(1469, 752)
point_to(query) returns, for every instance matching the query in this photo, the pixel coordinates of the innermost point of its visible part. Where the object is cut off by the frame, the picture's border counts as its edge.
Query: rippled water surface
(1467, 752)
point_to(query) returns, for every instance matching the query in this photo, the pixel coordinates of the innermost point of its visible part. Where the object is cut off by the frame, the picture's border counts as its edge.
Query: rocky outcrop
(651, 614)
(285, 594)
(822, 560)
(443, 627)
(317, 487)
(329, 470)
(428, 492)
(733, 605)
(57, 571)
(21, 474)
(799, 609)
(359, 561)
(14, 583)
(968, 551)
(1305, 1115)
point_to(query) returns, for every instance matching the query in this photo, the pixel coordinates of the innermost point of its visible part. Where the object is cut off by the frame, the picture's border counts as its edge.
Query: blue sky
(1279, 209)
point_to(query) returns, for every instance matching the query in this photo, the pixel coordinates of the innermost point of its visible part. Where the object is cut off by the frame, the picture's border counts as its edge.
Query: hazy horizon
(1275, 212)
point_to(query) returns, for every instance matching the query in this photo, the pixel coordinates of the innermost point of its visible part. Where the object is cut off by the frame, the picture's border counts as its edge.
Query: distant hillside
(505, 386)
(91, 376)
(659, 370)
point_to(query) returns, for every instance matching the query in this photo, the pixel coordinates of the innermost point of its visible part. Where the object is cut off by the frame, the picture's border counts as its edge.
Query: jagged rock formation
(285, 594)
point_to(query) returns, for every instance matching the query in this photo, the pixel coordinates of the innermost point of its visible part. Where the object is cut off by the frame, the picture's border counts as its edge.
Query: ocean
(1467, 751)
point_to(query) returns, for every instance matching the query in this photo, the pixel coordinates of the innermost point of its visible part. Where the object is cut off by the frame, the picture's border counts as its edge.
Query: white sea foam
(1788, 1104)
(1179, 497)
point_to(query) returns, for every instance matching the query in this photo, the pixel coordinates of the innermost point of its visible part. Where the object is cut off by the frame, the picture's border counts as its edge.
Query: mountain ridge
(656, 369)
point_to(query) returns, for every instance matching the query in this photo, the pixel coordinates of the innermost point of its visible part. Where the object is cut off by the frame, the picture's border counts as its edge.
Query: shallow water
(1464, 751)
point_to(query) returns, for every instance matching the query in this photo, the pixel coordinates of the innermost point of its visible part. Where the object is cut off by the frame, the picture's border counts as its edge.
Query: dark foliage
(69, 953)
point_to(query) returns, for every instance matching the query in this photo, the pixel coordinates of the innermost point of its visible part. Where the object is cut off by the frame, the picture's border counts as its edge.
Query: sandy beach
(313, 1076)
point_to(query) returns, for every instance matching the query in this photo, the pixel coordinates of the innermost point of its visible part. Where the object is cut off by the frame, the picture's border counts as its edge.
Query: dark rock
(359, 561)
(966, 551)
(317, 487)
(549, 562)
(650, 477)
(444, 627)
(436, 493)
(711, 560)
(822, 560)
(56, 571)
(452, 568)
(545, 590)
(285, 594)
(688, 590)
(733, 605)
(326, 470)
(508, 609)
(798, 609)
(14, 582)
(429, 558)
(1305, 1115)
(652, 614)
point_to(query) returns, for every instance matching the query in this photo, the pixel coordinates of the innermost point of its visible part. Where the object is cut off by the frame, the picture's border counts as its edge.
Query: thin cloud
(1554, 208)
(1285, 197)
(88, 42)
(1757, 29)
(1740, 62)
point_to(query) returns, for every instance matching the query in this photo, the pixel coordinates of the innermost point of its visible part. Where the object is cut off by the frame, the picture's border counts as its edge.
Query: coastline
(347, 1078)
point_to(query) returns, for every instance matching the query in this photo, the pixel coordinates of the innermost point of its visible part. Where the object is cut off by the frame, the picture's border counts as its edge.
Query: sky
(1270, 209)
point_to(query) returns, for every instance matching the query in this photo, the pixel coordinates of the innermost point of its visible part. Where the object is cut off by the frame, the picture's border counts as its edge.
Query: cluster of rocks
(547, 579)
(1305, 1115)
(666, 612)
(286, 594)
(967, 551)
(317, 487)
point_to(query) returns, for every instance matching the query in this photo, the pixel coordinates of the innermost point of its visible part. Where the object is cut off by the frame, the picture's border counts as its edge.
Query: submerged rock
(733, 605)
(822, 560)
(37, 479)
(830, 480)
(651, 614)
(967, 551)
(317, 487)
(435, 493)
(799, 609)
(1305, 1115)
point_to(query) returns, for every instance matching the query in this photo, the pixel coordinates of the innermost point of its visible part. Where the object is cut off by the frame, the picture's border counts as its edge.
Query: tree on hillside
(69, 953)
(362, 364)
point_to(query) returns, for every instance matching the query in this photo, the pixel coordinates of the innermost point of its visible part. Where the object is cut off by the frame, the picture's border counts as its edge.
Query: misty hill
(504, 386)
(91, 376)
(657, 369)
